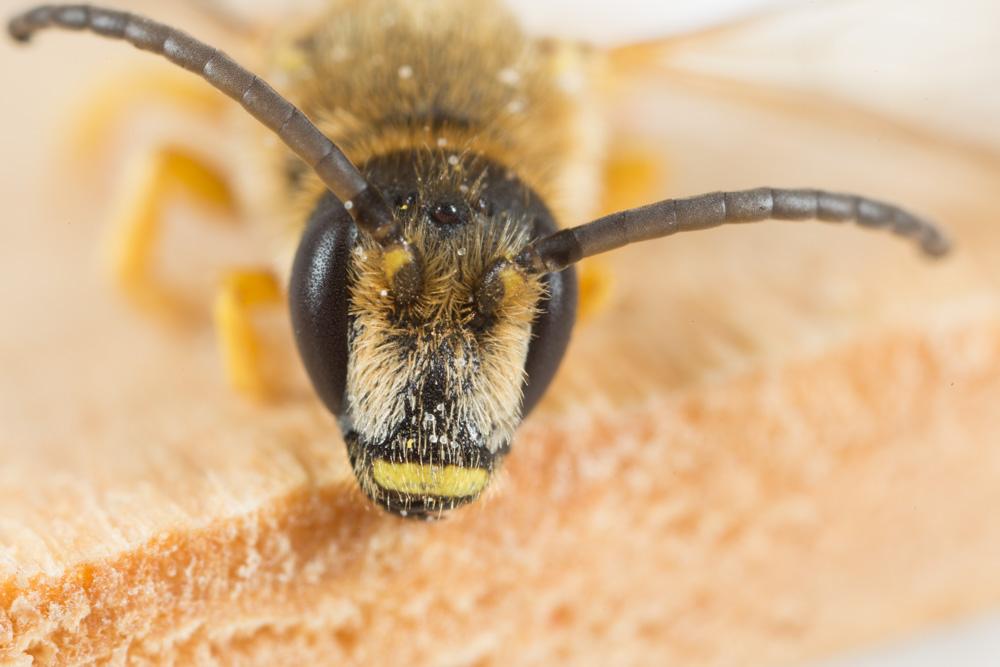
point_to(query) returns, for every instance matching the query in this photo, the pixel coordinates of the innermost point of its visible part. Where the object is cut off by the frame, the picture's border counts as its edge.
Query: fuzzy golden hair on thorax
(383, 75)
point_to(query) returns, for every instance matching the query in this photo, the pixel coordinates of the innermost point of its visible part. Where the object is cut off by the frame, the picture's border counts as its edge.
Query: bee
(446, 176)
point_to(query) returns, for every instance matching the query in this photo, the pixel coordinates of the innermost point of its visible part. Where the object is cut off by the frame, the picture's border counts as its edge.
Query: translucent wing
(610, 24)
(928, 66)
(594, 21)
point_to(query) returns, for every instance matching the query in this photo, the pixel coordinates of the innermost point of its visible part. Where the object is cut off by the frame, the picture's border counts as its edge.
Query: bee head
(429, 388)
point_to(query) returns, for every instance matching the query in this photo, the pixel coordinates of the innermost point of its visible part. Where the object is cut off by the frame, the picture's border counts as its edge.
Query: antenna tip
(20, 29)
(18, 32)
(935, 245)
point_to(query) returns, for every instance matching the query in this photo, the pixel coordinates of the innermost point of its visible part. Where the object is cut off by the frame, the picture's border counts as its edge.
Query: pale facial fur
(429, 382)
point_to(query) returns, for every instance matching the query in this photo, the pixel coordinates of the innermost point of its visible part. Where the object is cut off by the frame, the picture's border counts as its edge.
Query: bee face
(434, 390)
(428, 394)
(430, 437)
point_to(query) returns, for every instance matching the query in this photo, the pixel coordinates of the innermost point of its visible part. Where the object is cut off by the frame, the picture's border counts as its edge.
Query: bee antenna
(364, 202)
(672, 216)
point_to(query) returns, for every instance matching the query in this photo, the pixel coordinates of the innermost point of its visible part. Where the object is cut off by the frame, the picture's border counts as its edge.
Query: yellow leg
(241, 294)
(595, 288)
(152, 182)
(109, 106)
(633, 177)
(155, 180)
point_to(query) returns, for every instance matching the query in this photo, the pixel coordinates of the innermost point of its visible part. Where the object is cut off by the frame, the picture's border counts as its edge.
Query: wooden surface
(774, 443)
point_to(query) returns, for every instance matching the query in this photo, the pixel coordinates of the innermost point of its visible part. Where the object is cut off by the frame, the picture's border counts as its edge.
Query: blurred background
(927, 71)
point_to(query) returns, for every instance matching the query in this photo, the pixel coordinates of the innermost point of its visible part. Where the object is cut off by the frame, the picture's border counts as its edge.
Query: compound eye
(318, 297)
(550, 335)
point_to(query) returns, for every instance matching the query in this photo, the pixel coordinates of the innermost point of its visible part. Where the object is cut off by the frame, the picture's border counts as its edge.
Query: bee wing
(591, 21)
(613, 24)
(927, 68)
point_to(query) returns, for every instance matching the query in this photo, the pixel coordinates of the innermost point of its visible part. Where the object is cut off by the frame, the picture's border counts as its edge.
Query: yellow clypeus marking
(514, 283)
(394, 260)
(240, 295)
(429, 480)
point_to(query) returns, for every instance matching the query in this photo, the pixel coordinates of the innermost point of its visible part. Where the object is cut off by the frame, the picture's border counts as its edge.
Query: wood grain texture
(776, 441)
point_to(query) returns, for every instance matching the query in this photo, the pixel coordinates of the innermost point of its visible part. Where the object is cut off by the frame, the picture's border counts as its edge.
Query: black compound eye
(553, 324)
(550, 335)
(318, 296)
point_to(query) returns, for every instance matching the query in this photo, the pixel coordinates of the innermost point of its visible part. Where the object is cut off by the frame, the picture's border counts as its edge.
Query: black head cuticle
(447, 214)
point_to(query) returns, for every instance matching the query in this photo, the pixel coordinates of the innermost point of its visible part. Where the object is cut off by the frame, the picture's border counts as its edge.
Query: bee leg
(225, 17)
(595, 288)
(107, 108)
(155, 180)
(632, 177)
(241, 294)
